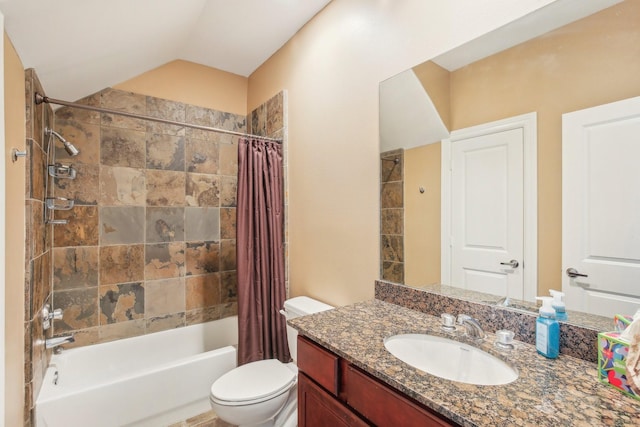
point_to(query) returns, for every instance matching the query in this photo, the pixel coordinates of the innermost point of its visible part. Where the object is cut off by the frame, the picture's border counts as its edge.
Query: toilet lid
(253, 381)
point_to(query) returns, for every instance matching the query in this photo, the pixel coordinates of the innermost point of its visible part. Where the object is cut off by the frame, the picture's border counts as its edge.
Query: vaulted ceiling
(81, 46)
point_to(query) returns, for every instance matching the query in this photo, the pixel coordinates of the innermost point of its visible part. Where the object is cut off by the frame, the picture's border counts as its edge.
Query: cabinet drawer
(319, 364)
(382, 405)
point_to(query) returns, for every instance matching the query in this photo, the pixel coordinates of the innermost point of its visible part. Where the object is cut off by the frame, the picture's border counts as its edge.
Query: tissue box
(612, 367)
(621, 321)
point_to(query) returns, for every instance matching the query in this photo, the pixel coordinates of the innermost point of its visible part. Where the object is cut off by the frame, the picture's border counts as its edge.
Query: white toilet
(264, 393)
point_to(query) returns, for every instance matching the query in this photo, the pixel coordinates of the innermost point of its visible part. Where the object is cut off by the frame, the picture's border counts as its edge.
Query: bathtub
(152, 380)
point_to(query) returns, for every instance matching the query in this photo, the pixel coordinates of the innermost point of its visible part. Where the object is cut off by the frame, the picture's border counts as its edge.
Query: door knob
(513, 263)
(572, 272)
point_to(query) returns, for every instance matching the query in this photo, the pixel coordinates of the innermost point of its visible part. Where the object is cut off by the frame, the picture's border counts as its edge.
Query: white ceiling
(78, 47)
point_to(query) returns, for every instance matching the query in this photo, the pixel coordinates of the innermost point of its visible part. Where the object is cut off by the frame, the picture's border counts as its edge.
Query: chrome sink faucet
(472, 326)
(504, 302)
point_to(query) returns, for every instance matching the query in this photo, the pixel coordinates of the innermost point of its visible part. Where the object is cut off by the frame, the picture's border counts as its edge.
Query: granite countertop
(560, 392)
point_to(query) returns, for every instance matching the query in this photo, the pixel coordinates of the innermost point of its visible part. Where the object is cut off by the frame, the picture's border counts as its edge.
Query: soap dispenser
(547, 330)
(558, 304)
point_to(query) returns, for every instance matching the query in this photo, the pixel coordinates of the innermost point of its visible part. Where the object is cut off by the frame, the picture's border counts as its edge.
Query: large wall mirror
(437, 116)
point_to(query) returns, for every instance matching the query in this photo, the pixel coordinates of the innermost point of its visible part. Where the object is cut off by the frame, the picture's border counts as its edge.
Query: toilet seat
(253, 383)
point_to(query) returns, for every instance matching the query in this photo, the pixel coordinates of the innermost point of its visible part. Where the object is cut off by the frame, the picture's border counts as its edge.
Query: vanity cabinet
(331, 391)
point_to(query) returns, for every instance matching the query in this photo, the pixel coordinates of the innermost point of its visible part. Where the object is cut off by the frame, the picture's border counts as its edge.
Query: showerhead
(68, 147)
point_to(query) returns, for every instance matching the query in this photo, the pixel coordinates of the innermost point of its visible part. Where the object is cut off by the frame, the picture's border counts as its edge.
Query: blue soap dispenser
(558, 304)
(547, 330)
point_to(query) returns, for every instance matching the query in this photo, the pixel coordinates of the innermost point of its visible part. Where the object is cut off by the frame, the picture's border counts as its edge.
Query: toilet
(264, 393)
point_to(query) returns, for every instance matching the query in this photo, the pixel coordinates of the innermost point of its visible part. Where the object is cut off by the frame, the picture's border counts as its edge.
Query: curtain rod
(41, 98)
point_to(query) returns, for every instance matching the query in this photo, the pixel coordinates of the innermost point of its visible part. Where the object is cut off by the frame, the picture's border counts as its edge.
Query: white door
(487, 226)
(489, 208)
(601, 208)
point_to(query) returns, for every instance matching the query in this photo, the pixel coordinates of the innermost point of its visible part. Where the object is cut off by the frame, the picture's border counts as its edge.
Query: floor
(207, 419)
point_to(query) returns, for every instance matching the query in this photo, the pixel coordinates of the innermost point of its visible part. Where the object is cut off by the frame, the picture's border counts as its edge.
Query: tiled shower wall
(270, 120)
(392, 215)
(151, 241)
(37, 289)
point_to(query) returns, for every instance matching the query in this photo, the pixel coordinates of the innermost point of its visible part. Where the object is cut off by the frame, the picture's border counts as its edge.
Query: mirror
(561, 67)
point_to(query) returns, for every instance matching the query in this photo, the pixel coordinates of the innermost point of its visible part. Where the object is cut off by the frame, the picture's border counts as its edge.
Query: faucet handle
(56, 314)
(48, 315)
(505, 339)
(448, 322)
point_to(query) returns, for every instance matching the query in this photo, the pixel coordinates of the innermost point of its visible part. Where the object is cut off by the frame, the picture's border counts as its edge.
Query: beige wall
(591, 62)
(331, 70)
(192, 83)
(422, 227)
(14, 105)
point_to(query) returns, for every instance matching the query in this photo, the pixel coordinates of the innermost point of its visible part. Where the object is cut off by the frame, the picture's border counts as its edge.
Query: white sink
(449, 359)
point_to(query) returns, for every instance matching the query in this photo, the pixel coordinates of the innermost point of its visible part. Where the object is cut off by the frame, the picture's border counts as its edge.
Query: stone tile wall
(270, 120)
(392, 216)
(38, 288)
(151, 242)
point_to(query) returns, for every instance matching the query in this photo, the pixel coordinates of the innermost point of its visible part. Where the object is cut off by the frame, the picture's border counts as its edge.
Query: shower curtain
(260, 250)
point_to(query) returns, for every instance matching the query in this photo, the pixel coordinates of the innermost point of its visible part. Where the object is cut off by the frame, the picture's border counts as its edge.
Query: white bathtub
(153, 380)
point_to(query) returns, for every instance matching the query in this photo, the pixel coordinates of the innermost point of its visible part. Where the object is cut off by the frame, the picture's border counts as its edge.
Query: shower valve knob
(56, 314)
(48, 315)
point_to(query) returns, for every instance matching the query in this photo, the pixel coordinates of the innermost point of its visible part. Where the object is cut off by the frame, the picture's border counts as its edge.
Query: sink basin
(449, 359)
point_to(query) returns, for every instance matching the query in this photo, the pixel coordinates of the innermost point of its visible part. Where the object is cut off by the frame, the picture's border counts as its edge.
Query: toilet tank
(296, 307)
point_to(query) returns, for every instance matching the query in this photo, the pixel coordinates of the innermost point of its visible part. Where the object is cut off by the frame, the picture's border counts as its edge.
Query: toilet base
(269, 423)
(288, 415)
(286, 412)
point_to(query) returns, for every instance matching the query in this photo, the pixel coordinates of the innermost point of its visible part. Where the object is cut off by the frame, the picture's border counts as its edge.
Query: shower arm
(39, 99)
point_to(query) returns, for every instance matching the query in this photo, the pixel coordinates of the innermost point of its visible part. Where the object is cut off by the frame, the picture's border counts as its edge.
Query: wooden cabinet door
(317, 408)
(383, 406)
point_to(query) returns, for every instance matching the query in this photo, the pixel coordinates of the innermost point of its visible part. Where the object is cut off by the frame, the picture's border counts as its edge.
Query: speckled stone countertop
(577, 334)
(560, 392)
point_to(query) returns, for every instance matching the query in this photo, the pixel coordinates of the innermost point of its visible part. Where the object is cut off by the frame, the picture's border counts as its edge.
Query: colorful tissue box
(621, 321)
(612, 355)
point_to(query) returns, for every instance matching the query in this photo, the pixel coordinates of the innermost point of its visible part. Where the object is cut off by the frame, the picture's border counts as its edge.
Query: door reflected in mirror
(590, 62)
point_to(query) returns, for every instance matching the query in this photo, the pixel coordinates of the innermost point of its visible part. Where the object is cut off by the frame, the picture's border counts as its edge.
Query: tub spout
(57, 341)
